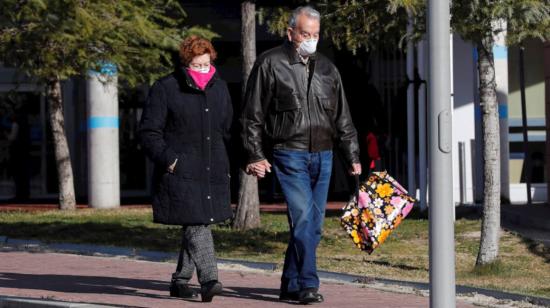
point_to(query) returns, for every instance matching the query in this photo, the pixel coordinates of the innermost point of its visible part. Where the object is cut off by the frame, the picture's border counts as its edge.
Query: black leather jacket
(280, 111)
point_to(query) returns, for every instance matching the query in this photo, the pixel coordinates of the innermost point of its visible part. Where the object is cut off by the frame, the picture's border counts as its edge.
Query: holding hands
(259, 168)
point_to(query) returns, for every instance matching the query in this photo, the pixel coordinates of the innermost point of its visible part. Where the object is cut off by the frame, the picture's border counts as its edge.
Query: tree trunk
(62, 156)
(248, 39)
(490, 229)
(248, 206)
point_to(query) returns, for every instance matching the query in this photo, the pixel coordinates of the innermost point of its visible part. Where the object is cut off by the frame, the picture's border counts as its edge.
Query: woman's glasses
(199, 66)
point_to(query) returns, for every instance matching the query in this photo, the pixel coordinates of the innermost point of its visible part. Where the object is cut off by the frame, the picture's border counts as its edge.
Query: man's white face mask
(307, 48)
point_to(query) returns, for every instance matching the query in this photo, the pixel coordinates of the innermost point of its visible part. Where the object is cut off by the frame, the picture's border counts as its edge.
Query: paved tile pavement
(132, 283)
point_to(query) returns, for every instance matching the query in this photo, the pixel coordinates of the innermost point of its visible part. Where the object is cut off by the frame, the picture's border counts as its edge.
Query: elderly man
(294, 112)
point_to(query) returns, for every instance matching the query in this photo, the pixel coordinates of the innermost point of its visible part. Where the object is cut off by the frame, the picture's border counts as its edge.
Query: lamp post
(441, 210)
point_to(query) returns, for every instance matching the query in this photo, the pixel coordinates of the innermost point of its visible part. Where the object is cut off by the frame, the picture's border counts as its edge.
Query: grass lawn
(523, 267)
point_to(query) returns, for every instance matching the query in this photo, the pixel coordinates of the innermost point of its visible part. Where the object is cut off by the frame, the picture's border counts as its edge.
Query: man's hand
(355, 169)
(259, 168)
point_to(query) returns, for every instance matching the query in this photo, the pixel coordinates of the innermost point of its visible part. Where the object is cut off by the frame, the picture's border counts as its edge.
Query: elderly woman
(184, 129)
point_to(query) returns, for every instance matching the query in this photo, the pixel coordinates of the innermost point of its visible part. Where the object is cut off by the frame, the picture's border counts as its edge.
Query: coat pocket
(285, 120)
(177, 190)
(327, 103)
(328, 112)
(287, 102)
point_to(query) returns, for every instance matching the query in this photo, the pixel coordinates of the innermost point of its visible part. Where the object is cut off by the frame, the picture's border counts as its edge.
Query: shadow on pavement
(260, 294)
(84, 284)
(16, 301)
(119, 286)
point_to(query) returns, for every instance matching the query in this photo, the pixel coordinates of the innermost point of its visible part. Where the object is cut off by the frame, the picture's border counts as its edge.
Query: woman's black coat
(182, 122)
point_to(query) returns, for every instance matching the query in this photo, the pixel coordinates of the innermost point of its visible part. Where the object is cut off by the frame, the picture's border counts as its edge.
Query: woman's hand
(258, 168)
(172, 166)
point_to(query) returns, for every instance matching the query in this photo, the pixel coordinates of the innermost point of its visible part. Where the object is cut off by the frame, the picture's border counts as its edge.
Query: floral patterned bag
(379, 206)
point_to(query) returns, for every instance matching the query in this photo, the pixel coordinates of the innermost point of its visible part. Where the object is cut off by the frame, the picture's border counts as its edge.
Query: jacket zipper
(308, 92)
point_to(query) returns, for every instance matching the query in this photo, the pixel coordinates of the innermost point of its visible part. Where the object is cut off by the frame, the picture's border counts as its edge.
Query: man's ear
(289, 34)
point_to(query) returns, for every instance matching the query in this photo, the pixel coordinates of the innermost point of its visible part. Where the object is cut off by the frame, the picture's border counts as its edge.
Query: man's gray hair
(305, 10)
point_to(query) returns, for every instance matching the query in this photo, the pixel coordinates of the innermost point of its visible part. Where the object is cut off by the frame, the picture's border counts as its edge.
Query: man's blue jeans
(304, 179)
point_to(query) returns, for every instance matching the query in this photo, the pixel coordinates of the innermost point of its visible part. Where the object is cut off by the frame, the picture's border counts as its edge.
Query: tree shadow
(260, 294)
(399, 266)
(256, 240)
(120, 286)
(84, 284)
(56, 302)
(538, 249)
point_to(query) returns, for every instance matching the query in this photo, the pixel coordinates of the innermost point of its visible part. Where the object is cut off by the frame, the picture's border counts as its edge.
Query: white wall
(518, 192)
(464, 69)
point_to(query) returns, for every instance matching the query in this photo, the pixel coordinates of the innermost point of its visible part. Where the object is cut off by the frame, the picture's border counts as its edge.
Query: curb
(158, 256)
(460, 290)
(23, 302)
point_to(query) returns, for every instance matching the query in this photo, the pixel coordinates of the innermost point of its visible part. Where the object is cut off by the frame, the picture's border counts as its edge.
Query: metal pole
(422, 147)
(451, 86)
(526, 158)
(103, 150)
(411, 127)
(442, 259)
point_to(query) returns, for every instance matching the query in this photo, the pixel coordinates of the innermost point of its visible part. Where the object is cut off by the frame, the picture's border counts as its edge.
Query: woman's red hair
(196, 46)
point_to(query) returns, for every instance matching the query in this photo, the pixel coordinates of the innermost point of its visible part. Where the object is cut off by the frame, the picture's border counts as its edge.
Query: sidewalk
(131, 283)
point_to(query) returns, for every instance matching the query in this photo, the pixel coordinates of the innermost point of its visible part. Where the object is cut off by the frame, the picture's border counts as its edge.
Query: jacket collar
(293, 56)
(186, 81)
